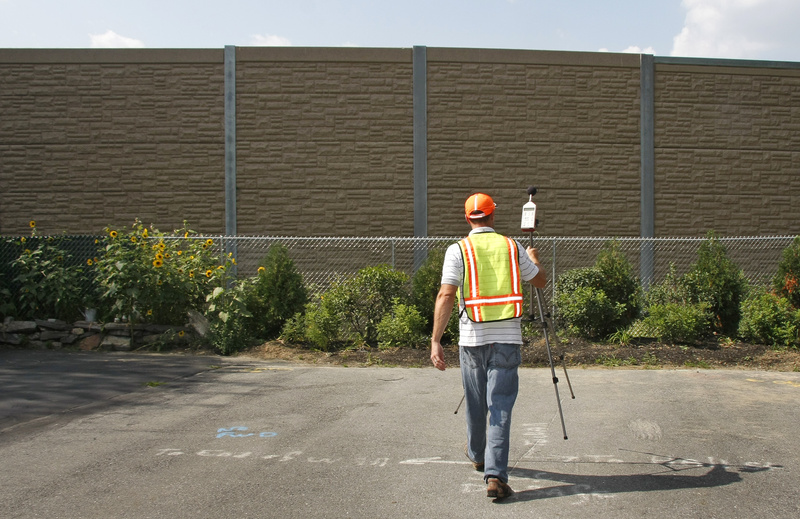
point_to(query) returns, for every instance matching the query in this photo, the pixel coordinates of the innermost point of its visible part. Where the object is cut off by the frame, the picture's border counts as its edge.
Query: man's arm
(445, 300)
(540, 279)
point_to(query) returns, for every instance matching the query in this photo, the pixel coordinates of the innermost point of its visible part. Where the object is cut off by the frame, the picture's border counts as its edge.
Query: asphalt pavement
(100, 435)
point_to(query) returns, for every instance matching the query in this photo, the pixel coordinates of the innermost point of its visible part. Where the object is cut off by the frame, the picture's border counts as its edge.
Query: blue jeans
(490, 378)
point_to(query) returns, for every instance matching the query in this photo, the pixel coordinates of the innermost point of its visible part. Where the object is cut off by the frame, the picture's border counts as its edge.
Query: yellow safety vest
(492, 287)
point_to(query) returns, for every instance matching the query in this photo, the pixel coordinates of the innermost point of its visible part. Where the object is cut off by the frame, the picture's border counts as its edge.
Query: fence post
(647, 144)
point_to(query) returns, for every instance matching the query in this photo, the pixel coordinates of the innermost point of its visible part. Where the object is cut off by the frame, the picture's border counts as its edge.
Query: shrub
(362, 301)
(619, 282)
(147, 275)
(589, 312)
(47, 280)
(228, 318)
(425, 285)
(596, 301)
(716, 280)
(679, 323)
(277, 293)
(768, 318)
(402, 326)
(787, 278)
(318, 325)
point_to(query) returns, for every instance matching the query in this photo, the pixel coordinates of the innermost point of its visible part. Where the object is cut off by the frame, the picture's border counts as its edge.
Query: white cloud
(738, 28)
(270, 40)
(112, 40)
(633, 49)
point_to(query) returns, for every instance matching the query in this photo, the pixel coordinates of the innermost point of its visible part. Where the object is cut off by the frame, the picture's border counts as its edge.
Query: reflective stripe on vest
(492, 288)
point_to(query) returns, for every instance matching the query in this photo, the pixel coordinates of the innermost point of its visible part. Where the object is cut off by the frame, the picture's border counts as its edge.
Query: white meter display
(529, 217)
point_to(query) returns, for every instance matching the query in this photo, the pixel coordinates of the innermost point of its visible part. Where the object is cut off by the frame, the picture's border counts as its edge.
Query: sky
(737, 29)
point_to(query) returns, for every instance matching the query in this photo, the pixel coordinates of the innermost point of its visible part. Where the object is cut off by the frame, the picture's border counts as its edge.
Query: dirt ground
(577, 353)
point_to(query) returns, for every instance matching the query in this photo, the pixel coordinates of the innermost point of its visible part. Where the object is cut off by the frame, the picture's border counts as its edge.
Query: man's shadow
(666, 478)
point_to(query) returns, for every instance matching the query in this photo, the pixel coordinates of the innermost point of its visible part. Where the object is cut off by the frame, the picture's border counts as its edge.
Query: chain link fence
(322, 260)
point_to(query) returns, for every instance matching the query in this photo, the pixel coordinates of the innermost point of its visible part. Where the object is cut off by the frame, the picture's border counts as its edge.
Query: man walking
(485, 272)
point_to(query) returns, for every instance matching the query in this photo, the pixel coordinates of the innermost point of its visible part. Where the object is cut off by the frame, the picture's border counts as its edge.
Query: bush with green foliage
(768, 318)
(350, 311)
(229, 319)
(402, 326)
(678, 323)
(276, 294)
(363, 300)
(149, 276)
(596, 301)
(787, 278)
(715, 279)
(425, 287)
(47, 279)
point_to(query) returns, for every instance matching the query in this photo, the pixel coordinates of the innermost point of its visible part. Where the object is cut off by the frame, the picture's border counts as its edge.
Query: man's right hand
(437, 356)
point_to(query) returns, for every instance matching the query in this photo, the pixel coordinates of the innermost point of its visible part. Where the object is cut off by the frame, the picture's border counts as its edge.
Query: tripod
(547, 328)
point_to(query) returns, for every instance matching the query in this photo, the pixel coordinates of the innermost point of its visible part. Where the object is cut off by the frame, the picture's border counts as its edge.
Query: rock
(198, 322)
(21, 327)
(116, 343)
(86, 325)
(53, 324)
(10, 338)
(51, 335)
(90, 343)
(77, 331)
(69, 339)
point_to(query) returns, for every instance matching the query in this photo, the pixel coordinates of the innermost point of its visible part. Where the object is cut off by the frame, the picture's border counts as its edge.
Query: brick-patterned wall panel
(727, 151)
(88, 141)
(570, 128)
(325, 147)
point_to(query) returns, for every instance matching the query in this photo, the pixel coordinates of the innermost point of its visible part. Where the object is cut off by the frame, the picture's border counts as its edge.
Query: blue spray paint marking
(238, 432)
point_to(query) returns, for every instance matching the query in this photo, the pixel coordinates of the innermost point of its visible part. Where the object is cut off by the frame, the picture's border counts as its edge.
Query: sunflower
(209, 242)
(22, 240)
(180, 252)
(157, 263)
(32, 224)
(89, 262)
(161, 246)
(261, 269)
(159, 282)
(191, 273)
(149, 312)
(209, 273)
(181, 333)
(133, 239)
(113, 234)
(159, 256)
(144, 233)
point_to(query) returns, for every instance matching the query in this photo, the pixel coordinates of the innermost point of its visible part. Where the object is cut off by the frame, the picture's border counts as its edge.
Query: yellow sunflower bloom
(179, 252)
(157, 263)
(89, 262)
(22, 240)
(144, 233)
(133, 239)
(191, 273)
(113, 234)
(261, 269)
(159, 256)
(32, 223)
(209, 273)
(149, 312)
(209, 242)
